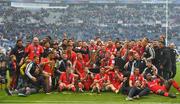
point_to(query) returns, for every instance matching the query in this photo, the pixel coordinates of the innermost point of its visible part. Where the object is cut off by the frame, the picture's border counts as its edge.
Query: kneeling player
(101, 81)
(66, 80)
(86, 80)
(155, 87)
(116, 80)
(34, 80)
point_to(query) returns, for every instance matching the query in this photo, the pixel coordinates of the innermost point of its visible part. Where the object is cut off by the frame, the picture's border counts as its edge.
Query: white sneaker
(80, 90)
(48, 93)
(129, 99)
(92, 90)
(136, 97)
(116, 91)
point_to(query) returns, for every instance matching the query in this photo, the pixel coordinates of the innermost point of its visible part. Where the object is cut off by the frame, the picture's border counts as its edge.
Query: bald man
(34, 49)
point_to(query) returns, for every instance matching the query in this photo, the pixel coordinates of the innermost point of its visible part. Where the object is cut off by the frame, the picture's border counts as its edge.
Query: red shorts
(87, 85)
(163, 88)
(100, 85)
(64, 84)
(117, 85)
(159, 88)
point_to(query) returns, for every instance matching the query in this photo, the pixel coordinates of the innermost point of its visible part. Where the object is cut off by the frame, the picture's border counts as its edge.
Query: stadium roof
(94, 1)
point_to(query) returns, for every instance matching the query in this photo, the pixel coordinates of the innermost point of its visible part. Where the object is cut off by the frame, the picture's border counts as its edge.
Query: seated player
(66, 80)
(155, 87)
(86, 80)
(137, 84)
(116, 79)
(101, 81)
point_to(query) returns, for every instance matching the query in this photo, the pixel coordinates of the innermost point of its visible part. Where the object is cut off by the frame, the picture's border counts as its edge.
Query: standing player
(79, 64)
(165, 61)
(18, 52)
(34, 49)
(71, 54)
(13, 72)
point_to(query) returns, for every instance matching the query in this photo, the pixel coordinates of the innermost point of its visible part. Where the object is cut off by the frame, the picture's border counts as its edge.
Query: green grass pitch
(89, 98)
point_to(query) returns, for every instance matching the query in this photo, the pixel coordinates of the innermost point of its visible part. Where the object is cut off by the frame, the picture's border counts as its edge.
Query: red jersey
(109, 62)
(139, 49)
(93, 47)
(123, 51)
(85, 56)
(72, 56)
(112, 49)
(14, 65)
(101, 53)
(26, 48)
(155, 86)
(47, 67)
(34, 51)
(134, 78)
(114, 78)
(88, 78)
(67, 79)
(80, 66)
(102, 78)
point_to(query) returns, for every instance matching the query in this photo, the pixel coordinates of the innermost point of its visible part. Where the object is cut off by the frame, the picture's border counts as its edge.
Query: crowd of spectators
(83, 22)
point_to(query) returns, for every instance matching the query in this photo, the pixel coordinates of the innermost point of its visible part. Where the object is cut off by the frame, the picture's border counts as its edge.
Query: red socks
(80, 85)
(73, 89)
(175, 85)
(60, 87)
(166, 94)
